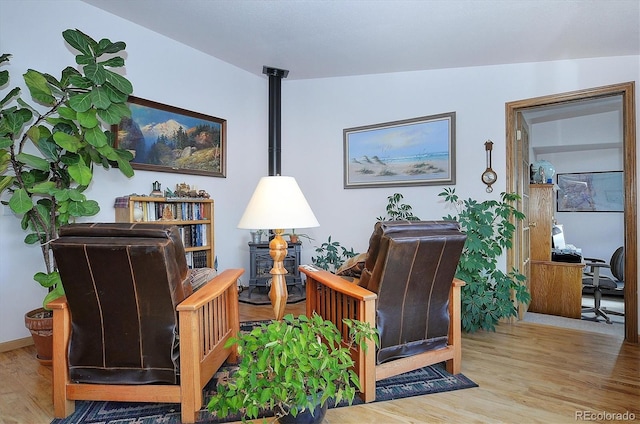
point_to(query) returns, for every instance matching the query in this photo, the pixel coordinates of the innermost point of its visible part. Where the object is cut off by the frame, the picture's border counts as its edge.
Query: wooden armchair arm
(59, 303)
(334, 298)
(335, 282)
(208, 318)
(212, 289)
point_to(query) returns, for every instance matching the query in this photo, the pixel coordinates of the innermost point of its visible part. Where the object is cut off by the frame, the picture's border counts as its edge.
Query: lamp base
(278, 293)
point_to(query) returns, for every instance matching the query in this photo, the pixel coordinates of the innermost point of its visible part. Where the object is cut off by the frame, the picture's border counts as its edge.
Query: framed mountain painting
(170, 139)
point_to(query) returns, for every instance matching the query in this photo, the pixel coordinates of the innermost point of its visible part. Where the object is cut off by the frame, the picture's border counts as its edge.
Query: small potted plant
(292, 367)
(295, 237)
(256, 236)
(48, 148)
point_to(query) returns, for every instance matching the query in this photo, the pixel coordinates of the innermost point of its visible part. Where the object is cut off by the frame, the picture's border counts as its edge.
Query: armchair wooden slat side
(454, 365)
(209, 314)
(208, 318)
(334, 298)
(61, 335)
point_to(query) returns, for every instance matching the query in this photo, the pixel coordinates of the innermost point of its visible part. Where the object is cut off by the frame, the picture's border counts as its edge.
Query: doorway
(517, 179)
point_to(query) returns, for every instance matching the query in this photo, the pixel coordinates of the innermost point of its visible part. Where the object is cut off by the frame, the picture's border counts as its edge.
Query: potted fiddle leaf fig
(48, 146)
(293, 368)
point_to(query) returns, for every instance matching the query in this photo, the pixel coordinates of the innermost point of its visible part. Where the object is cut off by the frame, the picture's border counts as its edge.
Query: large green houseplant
(48, 148)
(488, 295)
(290, 367)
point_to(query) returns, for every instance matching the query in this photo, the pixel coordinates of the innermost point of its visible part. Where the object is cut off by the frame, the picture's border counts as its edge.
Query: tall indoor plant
(48, 147)
(488, 295)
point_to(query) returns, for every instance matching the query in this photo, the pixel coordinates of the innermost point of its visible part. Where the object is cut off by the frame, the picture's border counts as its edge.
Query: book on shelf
(199, 259)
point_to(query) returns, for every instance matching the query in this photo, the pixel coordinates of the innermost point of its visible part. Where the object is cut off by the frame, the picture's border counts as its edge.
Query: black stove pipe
(275, 80)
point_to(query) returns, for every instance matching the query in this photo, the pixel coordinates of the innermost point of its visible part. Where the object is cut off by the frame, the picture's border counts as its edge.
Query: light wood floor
(527, 373)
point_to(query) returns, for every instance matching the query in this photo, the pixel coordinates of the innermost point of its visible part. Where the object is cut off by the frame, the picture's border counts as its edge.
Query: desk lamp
(278, 203)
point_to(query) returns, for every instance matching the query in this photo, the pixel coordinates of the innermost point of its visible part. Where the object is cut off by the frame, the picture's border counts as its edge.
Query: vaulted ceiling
(318, 39)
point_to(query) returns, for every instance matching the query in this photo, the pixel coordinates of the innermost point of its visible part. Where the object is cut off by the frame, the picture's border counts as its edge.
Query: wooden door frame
(627, 91)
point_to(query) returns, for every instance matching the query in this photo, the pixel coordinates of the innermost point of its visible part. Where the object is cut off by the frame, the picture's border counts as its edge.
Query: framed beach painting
(169, 139)
(419, 151)
(591, 192)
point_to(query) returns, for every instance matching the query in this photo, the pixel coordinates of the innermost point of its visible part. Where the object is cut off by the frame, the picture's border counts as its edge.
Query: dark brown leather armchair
(130, 328)
(407, 290)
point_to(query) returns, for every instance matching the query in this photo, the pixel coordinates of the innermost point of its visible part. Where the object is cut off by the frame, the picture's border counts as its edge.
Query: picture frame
(590, 192)
(171, 139)
(411, 152)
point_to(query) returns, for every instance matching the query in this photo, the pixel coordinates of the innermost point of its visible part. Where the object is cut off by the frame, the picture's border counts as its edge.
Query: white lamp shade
(277, 203)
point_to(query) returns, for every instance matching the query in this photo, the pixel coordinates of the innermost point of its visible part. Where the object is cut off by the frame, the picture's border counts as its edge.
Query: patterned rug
(427, 380)
(260, 295)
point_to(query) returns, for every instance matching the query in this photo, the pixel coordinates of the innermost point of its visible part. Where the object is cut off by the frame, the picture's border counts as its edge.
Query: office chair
(407, 291)
(595, 283)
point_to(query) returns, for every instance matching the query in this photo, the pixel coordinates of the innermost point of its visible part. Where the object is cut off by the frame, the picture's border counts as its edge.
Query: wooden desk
(556, 288)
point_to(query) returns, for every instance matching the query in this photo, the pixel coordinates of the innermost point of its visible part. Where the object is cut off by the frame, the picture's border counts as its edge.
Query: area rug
(424, 381)
(260, 295)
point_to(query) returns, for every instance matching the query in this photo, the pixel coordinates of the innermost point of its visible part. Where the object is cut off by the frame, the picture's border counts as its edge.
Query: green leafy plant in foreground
(290, 366)
(47, 157)
(488, 295)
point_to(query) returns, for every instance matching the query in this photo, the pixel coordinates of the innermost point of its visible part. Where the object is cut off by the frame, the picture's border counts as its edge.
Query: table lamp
(278, 203)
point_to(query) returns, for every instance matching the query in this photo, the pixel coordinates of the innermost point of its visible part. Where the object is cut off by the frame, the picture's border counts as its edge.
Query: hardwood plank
(526, 373)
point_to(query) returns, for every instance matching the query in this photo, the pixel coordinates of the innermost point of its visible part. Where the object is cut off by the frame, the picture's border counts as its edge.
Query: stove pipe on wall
(275, 80)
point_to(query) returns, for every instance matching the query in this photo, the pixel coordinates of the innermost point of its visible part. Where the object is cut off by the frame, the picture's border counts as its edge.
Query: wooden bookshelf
(194, 217)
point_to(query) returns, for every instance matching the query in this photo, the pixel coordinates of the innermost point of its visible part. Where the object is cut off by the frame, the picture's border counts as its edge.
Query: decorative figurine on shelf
(156, 190)
(167, 215)
(203, 194)
(182, 190)
(544, 172)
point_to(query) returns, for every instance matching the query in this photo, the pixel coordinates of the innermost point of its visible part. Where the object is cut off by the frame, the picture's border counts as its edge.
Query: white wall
(161, 70)
(314, 113)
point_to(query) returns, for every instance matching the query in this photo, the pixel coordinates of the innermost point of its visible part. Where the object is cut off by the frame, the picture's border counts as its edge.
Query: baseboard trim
(15, 344)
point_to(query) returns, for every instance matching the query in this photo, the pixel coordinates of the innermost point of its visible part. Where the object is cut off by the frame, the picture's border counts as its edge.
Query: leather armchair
(130, 328)
(407, 290)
